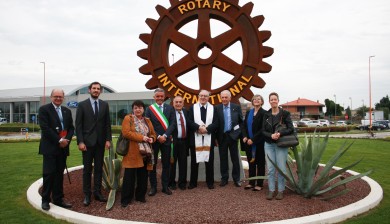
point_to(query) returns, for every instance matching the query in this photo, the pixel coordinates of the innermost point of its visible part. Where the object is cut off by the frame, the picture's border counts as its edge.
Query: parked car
(375, 126)
(324, 122)
(385, 123)
(303, 122)
(341, 123)
(3, 120)
(314, 123)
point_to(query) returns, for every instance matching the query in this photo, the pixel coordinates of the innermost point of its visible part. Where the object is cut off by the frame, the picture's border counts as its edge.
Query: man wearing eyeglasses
(57, 130)
(203, 126)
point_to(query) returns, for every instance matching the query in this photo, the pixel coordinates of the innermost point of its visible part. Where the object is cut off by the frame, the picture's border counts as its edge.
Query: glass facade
(4, 111)
(120, 108)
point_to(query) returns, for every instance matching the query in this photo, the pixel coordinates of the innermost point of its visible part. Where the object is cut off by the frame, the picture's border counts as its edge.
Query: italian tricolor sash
(159, 115)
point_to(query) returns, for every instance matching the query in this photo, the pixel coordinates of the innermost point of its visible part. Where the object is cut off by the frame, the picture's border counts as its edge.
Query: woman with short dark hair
(272, 151)
(139, 130)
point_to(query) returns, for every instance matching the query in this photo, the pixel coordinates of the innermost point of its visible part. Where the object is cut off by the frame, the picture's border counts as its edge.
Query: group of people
(172, 132)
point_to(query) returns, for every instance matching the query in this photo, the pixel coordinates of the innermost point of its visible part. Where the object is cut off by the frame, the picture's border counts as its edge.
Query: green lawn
(21, 166)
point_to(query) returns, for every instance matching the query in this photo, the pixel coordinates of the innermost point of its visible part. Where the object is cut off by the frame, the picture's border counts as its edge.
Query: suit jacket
(89, 130)
(236, 119)
(211, 129)
(258, 137)
(50, 124)
(169, 113)
(175, 131)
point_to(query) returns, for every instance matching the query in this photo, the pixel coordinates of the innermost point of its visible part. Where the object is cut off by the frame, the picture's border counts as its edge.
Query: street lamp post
(351, 108)
(44, 83)
(335, 106)
(369, 82)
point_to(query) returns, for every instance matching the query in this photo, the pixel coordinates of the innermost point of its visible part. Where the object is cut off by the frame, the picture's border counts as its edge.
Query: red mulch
(227, 204)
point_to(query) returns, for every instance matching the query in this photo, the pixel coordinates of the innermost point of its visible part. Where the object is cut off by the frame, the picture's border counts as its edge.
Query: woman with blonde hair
(253, 140)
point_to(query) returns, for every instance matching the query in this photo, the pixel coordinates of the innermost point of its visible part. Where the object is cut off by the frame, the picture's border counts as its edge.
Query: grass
(21, 165)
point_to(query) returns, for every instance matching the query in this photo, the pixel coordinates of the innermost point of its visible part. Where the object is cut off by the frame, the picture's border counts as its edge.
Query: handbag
(284, 141)
(122, 145)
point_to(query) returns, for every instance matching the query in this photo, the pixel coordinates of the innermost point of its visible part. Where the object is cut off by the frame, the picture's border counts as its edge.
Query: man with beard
(93, 129)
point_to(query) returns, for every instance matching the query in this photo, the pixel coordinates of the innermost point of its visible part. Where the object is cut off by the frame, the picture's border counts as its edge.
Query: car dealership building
(22, 105)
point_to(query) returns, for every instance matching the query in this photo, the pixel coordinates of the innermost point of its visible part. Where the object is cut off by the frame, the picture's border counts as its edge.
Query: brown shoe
(279, 196)
(270, 195)
(247, 187)
(257, 188)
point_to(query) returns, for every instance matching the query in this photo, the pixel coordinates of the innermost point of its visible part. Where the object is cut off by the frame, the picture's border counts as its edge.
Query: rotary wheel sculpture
(243, 28)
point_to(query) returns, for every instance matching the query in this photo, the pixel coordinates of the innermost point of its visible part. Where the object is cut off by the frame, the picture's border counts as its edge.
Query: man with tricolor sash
(204, 123)
(163, 119)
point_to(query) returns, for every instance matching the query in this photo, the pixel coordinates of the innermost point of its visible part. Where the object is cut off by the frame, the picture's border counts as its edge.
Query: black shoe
(45, 206)
(141, 200)
(124, 205)
(63, 204)
(223, 183)
(191, 186)
(182, 187)
(173, 187)
(152, 191)
(87, 200)
(237, 184)
(100, 197)
(210, 186)
(167, 191)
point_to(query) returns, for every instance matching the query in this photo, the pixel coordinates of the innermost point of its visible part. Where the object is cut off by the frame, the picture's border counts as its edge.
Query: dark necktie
(203, 113)
(96, 110)
(183, 128)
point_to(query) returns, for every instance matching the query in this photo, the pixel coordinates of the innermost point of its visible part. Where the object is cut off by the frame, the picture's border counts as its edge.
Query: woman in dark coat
(254, 142)
(272, 151)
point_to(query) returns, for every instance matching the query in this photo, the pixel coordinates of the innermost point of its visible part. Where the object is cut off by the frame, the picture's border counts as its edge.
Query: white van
(3, 120)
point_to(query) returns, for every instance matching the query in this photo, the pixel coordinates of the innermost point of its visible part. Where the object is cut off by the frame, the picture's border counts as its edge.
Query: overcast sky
(321, 47)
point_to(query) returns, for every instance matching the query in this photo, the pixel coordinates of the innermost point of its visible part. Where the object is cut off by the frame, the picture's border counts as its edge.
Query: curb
(334, 216)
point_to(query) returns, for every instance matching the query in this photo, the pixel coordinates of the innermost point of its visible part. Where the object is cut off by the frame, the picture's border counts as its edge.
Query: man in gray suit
(229, 130)
(93, 129)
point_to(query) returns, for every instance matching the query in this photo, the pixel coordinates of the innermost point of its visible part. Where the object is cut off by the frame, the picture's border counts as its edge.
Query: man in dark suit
(93, 129)
(56, 133)
(203, 123)
(230, 122)
(180, 145)
(163, 119)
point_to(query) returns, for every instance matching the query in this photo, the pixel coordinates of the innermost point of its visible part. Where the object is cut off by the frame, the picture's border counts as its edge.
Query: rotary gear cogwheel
(243, 28)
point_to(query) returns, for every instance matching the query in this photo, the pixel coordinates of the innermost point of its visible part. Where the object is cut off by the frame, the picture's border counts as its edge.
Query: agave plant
(111, 176)
(307, 160)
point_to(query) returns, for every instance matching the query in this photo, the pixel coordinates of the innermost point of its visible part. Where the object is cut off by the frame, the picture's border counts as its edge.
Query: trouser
(279, 156)
(93, 155)
(195, 168)
(229, 145)
(258, 167)
(180, 150)
(132, 177)
(53, 173)
(165, 161)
